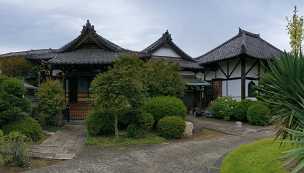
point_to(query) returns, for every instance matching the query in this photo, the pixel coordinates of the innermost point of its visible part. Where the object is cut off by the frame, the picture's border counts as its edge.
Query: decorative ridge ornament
(167, 36)
(87, 28)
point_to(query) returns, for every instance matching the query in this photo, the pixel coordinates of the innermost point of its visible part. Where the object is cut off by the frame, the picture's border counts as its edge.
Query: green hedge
(100, 123)
(134, 131)
(259, 114)
(171, 127)
(163, 106)
(223, 107)
(27, 126)
(239, 113)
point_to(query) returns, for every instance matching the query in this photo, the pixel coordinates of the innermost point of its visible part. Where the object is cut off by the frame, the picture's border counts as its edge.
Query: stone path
(194, 156)
(227, 127)
(64, 144)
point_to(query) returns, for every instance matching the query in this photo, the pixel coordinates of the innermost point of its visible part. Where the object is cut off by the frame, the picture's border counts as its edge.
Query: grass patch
(262, 156)
(35, 164)
(123, 140)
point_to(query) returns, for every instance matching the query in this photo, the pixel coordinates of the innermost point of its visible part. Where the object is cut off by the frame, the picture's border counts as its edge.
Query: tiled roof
(184, 61)
(85, 56)
(243, 43)
(88, 33)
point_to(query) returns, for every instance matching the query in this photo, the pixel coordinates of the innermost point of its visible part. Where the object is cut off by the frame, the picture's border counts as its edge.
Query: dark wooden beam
(253, 65)
(243, 78)
(222, 70)
(234, 68)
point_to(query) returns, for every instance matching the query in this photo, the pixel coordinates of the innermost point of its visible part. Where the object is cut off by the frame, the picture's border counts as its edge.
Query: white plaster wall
(219, 73)
(254, 71)
(210, 75)
(164, 51)
(234, 88)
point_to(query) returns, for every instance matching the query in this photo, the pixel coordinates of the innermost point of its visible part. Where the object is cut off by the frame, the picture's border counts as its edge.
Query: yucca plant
(296, 156)
(282, 88)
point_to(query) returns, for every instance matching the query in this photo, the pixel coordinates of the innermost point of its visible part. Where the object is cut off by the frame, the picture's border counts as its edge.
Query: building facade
(231, 69)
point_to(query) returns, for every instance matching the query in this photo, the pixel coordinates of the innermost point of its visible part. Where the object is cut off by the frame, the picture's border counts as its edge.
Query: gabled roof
(39, 54)
(89, 35)
(243, 43)
(166, 40)
(184, 61)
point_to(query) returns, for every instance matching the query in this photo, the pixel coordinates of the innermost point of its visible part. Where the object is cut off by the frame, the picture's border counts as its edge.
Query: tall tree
(295, 31)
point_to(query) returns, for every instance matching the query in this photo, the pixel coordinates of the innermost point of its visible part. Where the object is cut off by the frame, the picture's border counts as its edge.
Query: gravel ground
(188, 156)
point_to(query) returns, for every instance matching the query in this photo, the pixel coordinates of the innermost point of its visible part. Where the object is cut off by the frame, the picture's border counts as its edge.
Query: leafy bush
(13, 105)
(239, 113)
(171, 127)
(14, 149)
(99, 122)
(258, 114)
(145, 120)
(134, 131)
(162, 78)
(51, 103)
(15, 66)
(27, 126)
(162, 106)
(223, 107)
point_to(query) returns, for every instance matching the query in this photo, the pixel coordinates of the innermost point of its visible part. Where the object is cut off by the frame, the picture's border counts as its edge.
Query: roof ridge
(166, 38)
(212, 50)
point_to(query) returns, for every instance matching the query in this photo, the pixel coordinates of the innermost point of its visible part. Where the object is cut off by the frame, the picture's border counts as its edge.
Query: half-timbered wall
(229, 72)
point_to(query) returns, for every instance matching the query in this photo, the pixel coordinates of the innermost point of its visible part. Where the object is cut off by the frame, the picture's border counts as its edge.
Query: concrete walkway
(63, 145)
(227, 127)
(193, 156)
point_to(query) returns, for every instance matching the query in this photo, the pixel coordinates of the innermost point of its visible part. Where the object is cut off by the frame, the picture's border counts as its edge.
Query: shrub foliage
(51, 103)
(258, 114)
(162, 106)
(13, 105)
(223, 107)
(171, 127)
(27, 126)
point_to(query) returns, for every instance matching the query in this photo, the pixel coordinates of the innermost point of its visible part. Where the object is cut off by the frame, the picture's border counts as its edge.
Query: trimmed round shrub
(171, 127)
(134, 131)
(258, 114)
(223, 107)
(100, 123)
(27, 126)
(50, 103)
(163, 106)
(239, 113)
(145, 120)
(13, 106)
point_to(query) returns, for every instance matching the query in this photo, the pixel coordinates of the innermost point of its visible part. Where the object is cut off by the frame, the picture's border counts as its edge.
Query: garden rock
(188, 129)
(239, 124)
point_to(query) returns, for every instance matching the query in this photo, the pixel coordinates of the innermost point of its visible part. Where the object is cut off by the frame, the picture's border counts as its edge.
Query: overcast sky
(196, 25)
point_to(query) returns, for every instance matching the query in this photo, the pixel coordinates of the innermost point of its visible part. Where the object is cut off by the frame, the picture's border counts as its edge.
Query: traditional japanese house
(235, 67)
(165, 49)
(79, 61)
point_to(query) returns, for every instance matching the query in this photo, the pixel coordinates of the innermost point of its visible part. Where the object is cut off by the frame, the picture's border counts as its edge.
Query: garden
(22, 122)
(136, 102)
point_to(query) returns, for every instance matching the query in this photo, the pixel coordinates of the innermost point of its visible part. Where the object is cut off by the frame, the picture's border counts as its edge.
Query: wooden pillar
(243, 78)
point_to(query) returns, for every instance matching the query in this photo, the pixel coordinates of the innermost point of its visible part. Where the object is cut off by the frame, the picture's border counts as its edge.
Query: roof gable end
(89, 38)
(165, 42)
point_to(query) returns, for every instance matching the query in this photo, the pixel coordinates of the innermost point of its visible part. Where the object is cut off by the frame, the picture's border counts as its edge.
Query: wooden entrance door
(217, 88)
(73, 90)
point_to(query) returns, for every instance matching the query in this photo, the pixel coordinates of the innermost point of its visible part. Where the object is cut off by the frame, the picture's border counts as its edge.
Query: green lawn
(123, 140)
(262, 156)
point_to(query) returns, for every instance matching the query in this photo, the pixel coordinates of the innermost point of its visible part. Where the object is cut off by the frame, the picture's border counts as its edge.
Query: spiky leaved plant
(282, 87)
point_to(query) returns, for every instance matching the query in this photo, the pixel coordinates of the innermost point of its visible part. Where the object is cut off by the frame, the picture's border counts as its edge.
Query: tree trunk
(116, 126)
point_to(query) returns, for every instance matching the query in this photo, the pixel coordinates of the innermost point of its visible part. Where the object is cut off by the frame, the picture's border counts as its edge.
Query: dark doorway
(73, 87)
